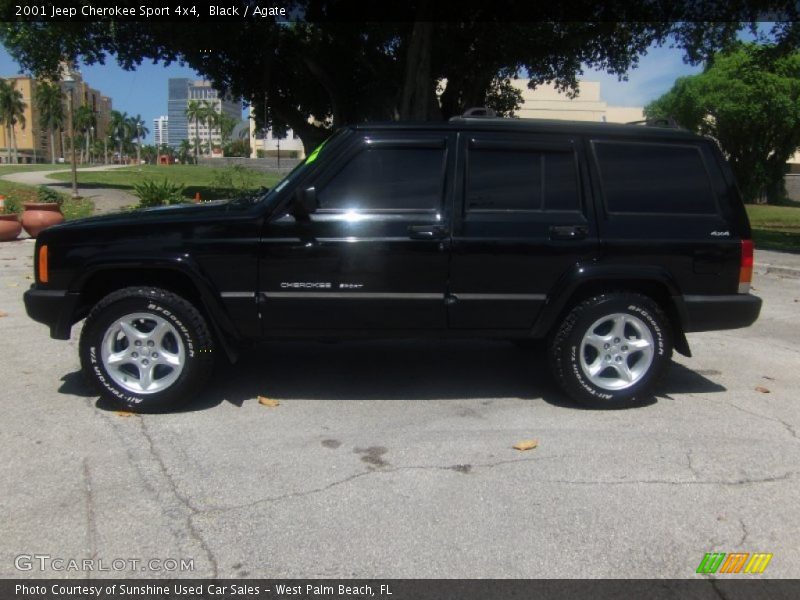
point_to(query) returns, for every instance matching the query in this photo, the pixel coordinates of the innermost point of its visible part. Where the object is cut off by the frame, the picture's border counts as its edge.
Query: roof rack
(658, 122)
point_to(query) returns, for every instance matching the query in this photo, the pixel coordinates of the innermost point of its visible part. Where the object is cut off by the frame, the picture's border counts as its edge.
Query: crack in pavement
(460, 468)
(745, 533)
(691, 466)
(91, 515)
(790, 428)
(182, 498)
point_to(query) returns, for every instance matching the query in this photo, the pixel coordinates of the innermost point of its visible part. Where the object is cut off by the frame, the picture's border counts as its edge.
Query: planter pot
(39, 216)
(9, 227)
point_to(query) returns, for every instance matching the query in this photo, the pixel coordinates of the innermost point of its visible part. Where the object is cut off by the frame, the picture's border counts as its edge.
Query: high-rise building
(161, 130)
(33, 140)
(180, 93)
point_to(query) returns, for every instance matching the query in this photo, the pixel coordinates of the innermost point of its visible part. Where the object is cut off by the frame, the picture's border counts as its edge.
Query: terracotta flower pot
(9, 227)
(39, 216)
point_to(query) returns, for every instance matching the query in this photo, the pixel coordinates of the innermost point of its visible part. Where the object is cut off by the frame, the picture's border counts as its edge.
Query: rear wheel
(146, 349)
(611, 350)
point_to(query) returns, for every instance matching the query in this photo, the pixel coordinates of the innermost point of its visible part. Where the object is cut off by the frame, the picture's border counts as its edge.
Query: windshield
(301, 168)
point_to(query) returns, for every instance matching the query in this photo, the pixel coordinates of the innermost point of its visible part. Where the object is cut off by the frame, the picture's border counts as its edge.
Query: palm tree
(12, 112)
(119, 130)
(184, 150)
(226, 125)
(50, 103)
(85, 120)
(195, 112)
(211, 119)
(138, 128)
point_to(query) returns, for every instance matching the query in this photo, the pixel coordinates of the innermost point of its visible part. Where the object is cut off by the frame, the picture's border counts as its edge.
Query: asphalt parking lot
(395, 459)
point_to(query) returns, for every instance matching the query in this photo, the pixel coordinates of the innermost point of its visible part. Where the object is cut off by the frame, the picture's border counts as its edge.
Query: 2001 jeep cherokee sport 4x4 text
(609, 241)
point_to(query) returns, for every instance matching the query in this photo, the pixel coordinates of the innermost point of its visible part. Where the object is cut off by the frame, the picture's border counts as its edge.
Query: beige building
(268, 144)
(545, 102)
(33, 141)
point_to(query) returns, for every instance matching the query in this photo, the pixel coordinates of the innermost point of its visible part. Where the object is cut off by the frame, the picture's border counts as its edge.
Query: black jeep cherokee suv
(609, 241)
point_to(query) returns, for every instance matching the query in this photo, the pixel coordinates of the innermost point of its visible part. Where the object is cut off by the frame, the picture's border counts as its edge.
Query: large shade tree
(749, 101)
(333, 66)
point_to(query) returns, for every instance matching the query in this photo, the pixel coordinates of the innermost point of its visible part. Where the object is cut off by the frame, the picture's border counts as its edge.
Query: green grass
(776, 227)
(77, 209)
(211, 182)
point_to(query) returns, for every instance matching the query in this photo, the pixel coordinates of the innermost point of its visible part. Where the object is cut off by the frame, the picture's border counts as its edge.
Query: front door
(374, 256)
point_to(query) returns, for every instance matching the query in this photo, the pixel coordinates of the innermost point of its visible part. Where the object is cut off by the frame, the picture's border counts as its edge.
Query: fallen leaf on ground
(526, 445)
(761, 389)
(124, 413)
(272, 403)
(28, 277)
(768, 377)
(3, 314)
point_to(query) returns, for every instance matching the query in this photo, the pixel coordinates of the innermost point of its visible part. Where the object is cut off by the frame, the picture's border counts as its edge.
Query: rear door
(374, 256)
(523, 218)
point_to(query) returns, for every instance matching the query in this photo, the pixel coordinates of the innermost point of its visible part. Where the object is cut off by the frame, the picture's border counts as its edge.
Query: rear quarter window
(654, 178)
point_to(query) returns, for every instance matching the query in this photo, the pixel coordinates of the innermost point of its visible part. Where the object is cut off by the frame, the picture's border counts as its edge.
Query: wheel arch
(585, 282)
(178, 277)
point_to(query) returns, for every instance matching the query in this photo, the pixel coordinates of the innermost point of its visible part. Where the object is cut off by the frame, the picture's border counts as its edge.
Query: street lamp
(69, 84)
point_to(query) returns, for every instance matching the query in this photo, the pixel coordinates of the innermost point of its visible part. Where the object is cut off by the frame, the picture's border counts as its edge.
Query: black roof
(534, 125)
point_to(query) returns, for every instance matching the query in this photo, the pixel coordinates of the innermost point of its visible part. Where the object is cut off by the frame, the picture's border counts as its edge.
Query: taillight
(43, 274)
(746, 267)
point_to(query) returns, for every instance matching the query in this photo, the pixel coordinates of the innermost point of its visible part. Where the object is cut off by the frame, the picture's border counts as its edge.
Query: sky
(144, 91)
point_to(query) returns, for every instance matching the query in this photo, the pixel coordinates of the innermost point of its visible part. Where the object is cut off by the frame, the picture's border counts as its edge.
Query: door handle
(426, 232)
(568, 232)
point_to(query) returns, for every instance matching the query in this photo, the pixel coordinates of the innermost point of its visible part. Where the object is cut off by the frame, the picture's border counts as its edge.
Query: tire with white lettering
(146, 349)
(611, 350)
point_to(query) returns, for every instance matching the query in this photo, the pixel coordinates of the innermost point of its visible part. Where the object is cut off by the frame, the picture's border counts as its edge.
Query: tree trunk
(14, 142)
(8, 144)
(52, 145)
(416, 98)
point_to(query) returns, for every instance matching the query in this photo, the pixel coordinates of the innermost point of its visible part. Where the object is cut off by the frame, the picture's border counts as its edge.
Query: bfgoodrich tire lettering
(172, 333)
(611, 350)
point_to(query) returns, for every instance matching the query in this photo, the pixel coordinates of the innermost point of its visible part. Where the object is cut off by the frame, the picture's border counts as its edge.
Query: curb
(762, 268)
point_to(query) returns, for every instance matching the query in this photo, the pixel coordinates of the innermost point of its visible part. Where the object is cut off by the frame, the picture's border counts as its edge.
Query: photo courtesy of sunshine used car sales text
(205, 590)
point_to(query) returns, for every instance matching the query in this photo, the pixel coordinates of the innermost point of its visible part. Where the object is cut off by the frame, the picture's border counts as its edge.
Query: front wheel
(146, 349)
(611, 350)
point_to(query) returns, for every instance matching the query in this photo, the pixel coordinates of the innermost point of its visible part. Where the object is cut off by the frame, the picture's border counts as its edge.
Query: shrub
(13, 205)
(154, 193)
(45, 194)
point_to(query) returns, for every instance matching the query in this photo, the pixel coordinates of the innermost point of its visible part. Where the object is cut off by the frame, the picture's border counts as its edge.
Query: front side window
(387, 178)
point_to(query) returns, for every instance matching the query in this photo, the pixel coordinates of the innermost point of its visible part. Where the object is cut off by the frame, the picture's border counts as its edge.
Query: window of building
(515, 178)
(654, 178)
(393, 178)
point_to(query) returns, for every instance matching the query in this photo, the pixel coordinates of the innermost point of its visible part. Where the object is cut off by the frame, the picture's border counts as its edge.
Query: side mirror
(304, 203)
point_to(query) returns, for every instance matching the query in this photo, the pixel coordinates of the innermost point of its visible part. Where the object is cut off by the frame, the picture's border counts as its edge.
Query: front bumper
(54, 308)
(709, 313)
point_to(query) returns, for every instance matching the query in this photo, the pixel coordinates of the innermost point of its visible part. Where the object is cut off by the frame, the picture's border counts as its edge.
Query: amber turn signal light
(43, 274)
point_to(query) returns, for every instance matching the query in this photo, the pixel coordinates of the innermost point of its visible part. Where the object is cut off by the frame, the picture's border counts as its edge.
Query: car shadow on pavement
(398, 370)
(393, 370)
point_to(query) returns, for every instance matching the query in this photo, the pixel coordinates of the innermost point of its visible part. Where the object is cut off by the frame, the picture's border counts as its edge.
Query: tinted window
(654, 178)
(387, 178)
(519, 179)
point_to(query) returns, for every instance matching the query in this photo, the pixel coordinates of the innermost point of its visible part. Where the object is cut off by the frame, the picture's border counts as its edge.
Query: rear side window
(514, 178)
(388, 178)
(654, 178)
